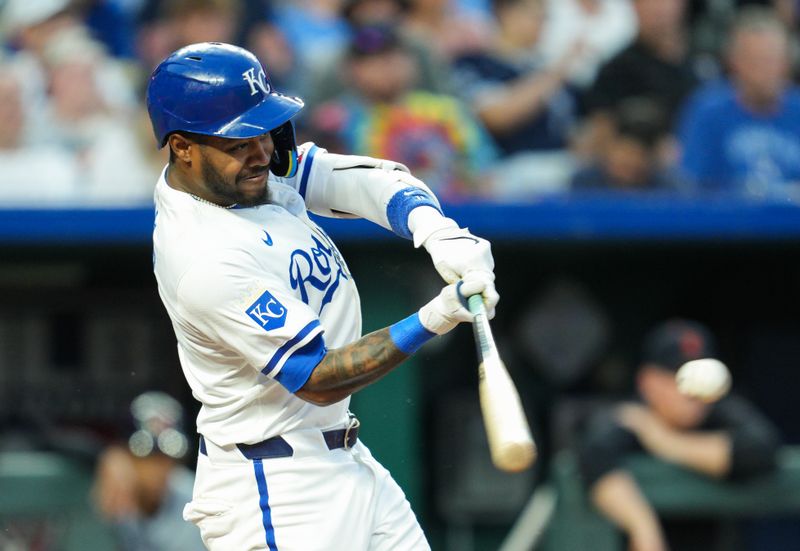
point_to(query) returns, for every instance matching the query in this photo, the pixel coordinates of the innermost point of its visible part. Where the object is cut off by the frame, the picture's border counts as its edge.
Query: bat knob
(515, 457)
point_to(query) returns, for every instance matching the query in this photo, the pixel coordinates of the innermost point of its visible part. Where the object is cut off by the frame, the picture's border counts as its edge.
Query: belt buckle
(353, 424)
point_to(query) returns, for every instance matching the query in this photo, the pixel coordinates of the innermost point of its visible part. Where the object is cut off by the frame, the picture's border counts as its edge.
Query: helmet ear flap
(284, 158)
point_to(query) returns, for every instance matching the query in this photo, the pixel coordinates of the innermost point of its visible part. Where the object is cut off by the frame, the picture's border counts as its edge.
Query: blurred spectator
(76, 104)
(657, 65)
(606, 26)
(432, 72)
(29, 173)
(522, 106)
(314, 30)
(448, 30)
(525, 107)
(166, 25)
(743, 135)
(26, 27)
(261, 35)
(633, 159)
(80, 120)
(384, 115)
(30, 26)
(711, 19)
(371, 12)
(194, 21)
(727, 440)
(142, 485)
(171, 24)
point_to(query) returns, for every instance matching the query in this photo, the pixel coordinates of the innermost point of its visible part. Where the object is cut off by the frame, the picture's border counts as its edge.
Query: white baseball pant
(316, 500)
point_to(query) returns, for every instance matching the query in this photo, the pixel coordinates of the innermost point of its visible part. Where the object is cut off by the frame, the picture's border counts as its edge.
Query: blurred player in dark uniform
(727, 440)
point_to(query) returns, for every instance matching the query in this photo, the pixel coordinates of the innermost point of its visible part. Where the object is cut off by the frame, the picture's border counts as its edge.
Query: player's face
(236, 170)
(659, 388)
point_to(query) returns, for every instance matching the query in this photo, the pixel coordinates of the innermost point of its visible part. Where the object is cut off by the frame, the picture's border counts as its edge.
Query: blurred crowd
(488, 99)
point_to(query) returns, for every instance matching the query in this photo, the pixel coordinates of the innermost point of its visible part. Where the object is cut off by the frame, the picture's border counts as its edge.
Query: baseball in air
(706, 379)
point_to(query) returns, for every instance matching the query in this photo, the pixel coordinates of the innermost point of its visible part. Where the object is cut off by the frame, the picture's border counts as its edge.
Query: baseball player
(267, 315)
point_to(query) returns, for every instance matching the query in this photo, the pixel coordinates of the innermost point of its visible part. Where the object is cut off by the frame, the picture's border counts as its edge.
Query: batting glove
(489, 293)
(449, 308)
(455, 252)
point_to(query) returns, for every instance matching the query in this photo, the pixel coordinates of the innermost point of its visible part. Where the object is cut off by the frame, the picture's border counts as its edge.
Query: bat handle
(475, 303)
(484, 340)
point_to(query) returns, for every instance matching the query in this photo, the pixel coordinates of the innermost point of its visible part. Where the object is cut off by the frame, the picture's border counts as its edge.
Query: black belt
(277, 446)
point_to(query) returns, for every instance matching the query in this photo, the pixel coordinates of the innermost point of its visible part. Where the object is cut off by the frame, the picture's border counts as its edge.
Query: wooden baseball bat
(510, 442)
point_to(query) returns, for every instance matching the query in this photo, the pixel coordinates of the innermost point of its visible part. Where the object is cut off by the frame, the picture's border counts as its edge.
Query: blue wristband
(400, 206)
(409, 334)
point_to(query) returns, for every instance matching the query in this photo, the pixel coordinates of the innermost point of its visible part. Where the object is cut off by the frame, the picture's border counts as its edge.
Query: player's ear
(180, 148)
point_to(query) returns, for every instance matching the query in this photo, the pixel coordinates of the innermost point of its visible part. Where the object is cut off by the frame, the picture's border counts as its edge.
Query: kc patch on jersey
(267, 312)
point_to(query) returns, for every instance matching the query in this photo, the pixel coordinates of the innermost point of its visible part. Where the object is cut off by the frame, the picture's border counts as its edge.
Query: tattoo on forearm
(356, 365)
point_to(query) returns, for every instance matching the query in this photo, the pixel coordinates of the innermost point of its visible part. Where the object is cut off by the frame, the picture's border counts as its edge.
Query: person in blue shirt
(742, 135)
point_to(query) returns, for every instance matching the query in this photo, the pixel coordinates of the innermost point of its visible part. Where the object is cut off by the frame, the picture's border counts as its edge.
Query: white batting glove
(489, 293)
(455, 252)
(449, 308)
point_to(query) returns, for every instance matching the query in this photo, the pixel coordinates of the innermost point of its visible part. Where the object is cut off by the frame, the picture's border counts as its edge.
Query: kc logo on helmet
(267, 312)
(256, 82)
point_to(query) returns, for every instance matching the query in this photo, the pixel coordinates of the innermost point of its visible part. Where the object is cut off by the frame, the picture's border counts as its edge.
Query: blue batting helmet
(222, 90)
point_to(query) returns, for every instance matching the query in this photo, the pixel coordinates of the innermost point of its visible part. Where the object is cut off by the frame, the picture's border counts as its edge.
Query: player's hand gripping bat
(510, 442)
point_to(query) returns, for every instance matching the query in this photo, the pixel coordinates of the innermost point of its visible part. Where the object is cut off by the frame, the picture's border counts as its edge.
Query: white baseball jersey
(256, 296)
